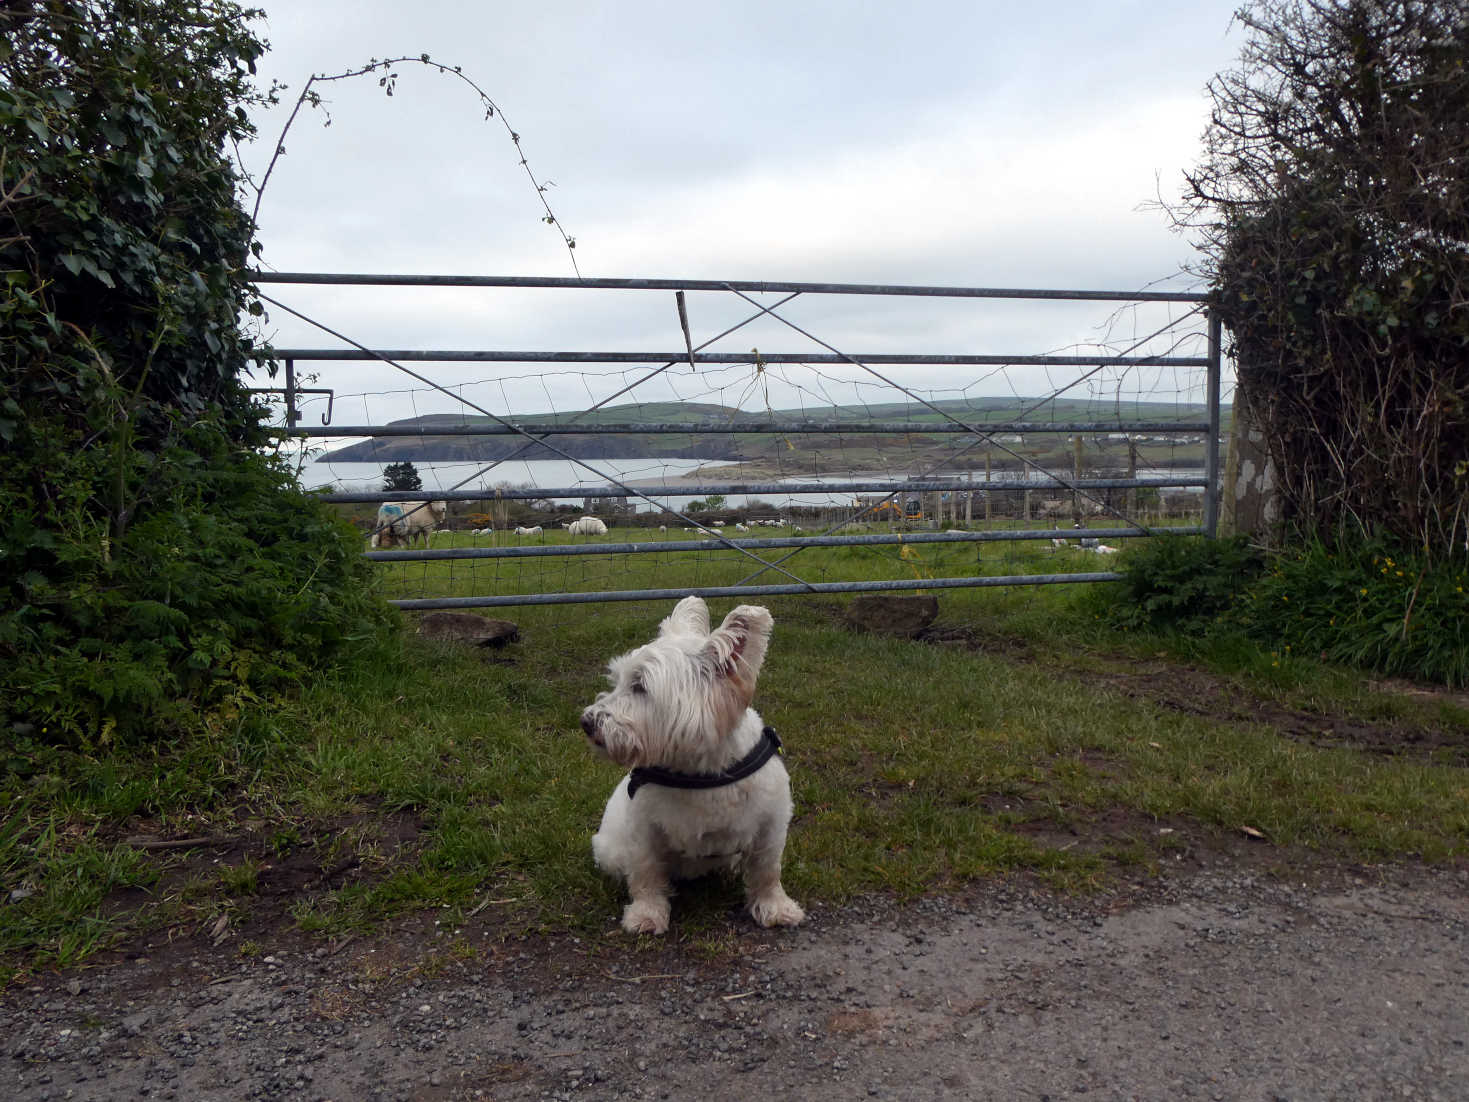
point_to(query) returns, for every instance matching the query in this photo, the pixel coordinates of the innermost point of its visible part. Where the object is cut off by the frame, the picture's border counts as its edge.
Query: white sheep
(534, 530)
(586, 526)
(405, 521)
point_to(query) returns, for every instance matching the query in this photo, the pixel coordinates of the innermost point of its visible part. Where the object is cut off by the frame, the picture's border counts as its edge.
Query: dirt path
(1224, 983)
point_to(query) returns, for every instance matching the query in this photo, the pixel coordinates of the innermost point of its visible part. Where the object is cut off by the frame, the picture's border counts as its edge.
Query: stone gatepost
(1250, 497)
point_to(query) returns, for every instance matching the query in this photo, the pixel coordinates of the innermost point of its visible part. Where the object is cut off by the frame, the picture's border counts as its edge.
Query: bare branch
(309, 96)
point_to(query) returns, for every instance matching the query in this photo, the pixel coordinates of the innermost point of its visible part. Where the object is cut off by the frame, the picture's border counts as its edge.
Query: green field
(1022, 738)
(715, 565)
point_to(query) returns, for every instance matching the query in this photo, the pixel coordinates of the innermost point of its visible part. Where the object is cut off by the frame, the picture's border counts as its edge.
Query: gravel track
(1227, 983)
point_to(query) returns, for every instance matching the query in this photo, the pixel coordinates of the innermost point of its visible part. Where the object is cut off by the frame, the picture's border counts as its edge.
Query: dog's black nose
(588, 724)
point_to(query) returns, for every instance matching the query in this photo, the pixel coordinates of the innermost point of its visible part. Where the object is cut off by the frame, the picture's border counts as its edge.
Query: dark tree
(401, 476)
(1330, 203)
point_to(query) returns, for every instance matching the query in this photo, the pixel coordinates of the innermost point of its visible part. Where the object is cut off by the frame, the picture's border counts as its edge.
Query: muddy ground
(1235, 970)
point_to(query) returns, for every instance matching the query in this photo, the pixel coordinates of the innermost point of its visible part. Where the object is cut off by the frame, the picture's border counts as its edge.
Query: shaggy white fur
(682, 703)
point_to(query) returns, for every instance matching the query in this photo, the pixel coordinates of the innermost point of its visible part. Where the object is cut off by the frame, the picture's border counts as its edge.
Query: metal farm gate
(773, 559)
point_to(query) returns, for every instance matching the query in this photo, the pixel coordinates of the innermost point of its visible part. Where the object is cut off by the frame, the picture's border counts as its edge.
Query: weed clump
(1180, 583)
(228, 587)
(1364, 603)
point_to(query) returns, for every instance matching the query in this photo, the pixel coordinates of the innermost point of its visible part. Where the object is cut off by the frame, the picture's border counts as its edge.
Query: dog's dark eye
(638, 686)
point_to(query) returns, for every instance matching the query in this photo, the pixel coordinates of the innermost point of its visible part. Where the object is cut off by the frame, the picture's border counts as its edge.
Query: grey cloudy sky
(978, 143)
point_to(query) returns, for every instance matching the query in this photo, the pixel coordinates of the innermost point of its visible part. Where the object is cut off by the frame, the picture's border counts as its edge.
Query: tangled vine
(310, 96)
(1330, 203)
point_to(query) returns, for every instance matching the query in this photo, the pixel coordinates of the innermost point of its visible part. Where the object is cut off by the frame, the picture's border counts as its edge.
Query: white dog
(707, 790)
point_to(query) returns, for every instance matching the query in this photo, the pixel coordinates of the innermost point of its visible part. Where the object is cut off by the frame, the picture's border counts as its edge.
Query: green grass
(717, 565)
(460, 780)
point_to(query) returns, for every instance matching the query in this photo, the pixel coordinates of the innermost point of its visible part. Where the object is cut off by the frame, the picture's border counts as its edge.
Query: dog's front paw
(643, 916)
(777, 909)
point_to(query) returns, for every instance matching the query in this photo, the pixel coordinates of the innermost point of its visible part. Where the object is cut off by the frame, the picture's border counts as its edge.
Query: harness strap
(765, 749)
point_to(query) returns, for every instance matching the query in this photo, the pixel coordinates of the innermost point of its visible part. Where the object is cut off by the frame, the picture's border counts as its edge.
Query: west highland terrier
(707, 790)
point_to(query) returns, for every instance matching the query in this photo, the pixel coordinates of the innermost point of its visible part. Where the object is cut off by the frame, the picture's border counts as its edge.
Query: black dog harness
(765, 749)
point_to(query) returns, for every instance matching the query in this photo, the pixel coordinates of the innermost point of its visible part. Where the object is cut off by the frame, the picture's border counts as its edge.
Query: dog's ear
(689, 617)
(737, 649)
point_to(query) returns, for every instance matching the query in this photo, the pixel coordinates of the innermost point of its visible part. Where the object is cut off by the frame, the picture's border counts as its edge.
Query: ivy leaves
(1334, 216)
(153, 562)
(118, 206)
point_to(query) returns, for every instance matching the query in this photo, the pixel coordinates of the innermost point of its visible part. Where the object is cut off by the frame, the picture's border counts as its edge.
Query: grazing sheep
(405, 521)
(586, 526)
(664, 528)
(389, 520)
(740, 527)
(425, 520)
(534, 530)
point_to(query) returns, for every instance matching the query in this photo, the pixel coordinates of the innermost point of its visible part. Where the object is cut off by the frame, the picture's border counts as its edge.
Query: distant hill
(427, 447)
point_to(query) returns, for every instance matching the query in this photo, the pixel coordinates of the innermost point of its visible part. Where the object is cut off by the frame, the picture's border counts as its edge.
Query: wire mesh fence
(732, 472)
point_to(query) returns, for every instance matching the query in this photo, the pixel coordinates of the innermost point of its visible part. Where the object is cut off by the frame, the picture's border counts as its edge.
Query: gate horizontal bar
(774, 489)
(476, 355)
(510, 600)
(790, 428)
(756, 287)
(554, 550)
